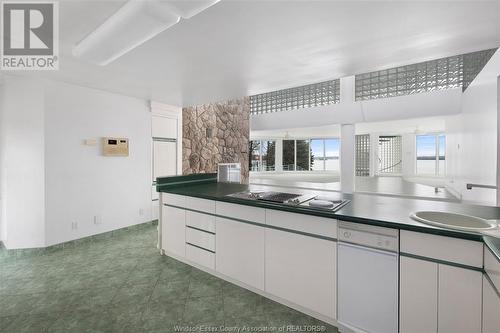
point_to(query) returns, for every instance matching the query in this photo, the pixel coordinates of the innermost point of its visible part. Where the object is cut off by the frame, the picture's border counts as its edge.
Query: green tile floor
(122, 284)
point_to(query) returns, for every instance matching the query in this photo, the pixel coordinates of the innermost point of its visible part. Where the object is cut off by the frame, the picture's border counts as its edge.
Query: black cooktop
(280, 197)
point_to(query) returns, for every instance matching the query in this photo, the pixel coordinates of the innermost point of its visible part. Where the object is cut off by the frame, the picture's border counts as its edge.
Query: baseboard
(16, 253)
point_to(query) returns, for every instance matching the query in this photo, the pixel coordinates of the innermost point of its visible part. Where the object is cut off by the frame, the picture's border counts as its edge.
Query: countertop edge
(440, 232)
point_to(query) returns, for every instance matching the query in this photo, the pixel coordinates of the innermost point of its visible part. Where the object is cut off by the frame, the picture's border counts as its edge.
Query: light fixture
(188, 8)
(133, 24)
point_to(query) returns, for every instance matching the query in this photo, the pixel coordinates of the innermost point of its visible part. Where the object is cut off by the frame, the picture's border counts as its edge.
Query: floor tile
(173, 290)
(204, 310)
(5, 322)
(205, 287)
(134, 294)
(122, 284)
(83, 321)
(31, 323)
(239, 302)
(162, 315)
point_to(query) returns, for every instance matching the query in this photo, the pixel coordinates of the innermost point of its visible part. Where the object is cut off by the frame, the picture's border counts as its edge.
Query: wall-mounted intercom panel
(115, 147)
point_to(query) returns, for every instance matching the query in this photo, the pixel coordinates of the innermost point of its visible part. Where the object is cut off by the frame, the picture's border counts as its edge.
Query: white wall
(49, 179)
(22, 163)
(472, 137)
(430, 104)
(82, 183)
(2, 177)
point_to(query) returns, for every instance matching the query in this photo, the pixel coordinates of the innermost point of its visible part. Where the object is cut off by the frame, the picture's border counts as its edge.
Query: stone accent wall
(216, 133)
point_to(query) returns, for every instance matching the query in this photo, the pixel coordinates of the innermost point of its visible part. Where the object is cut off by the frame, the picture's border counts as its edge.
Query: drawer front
(200, 257)
(200, 238)
(174, 200)
(202, 205)
(241, 212)
(304, 223)
(200, 221)
(492, 267)
(449, 249)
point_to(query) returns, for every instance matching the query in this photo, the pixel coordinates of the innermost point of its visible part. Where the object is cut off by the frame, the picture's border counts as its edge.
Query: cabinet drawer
(492, 267)
(241, 212)
(174, 199)
(200, 238)
(203, 205)
(200, 221)
(304, 223)
(450, 249)
(201, 257)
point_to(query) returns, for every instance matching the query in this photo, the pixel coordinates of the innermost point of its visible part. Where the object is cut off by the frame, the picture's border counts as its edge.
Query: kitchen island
(445, 280)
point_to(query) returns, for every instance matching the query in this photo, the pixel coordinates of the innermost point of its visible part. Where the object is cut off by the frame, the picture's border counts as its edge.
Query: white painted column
(279, 155)
(347, 89)
(498, 141)
(373, 154)
(347, 162)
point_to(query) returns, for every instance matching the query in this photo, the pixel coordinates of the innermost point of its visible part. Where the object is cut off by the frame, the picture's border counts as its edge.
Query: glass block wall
(316, 94)
(362, 153)
(451, 72)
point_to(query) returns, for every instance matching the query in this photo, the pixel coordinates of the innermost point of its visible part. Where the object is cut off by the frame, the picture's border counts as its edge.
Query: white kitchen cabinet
(163, 127)
(174, 230)
(459, 300)
(164, 159)
(302, 269)
(418, 296)
(240, 251)
(439, 298)
(491, 308)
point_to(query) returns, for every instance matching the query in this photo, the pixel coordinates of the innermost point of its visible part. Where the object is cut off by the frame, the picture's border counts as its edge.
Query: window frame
(436, 136)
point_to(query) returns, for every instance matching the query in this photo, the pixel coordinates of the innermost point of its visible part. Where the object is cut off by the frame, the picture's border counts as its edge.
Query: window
(303, 155)
(431, 154)
(262, 155)
(325, 154)
(451, 72)
(254, 160)
(332, 154)
(317, 154)
(268, 155)
(389, 150)
(307, 96)
(288, 155)
(442, 155)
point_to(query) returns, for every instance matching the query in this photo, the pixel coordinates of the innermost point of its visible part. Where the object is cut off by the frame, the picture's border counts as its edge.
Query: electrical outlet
(97, 219)
(141, 212)
(74, 225)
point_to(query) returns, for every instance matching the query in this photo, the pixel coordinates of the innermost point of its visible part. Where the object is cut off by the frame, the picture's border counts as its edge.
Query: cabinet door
(302, 270)
(491, 308)
(239, 251)
(459, 300)
(174, 230)
(164, 159)
(418, 296)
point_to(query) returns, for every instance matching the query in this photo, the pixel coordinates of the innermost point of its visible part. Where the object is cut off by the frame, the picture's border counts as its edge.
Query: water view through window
(431, 150)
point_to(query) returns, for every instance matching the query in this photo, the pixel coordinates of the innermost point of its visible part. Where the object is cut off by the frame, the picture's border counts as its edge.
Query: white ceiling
(238, 48)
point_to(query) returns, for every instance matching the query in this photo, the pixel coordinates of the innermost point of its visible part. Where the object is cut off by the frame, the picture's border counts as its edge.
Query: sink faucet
(470, 186)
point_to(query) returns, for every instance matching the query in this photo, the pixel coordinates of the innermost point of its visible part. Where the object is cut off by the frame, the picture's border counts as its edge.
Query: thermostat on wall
(115, 147)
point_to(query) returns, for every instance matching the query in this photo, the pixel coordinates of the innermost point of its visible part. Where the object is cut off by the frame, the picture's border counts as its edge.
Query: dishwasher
(367, 278)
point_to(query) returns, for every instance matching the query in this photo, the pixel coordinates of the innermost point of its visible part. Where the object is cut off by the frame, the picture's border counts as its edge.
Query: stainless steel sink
(454, 221)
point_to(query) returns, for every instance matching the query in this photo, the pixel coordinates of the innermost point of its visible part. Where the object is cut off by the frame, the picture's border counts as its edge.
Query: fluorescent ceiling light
(133, 24)
(189, 8)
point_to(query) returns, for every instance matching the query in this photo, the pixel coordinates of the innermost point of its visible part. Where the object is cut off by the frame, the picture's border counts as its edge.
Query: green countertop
(376, 210)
